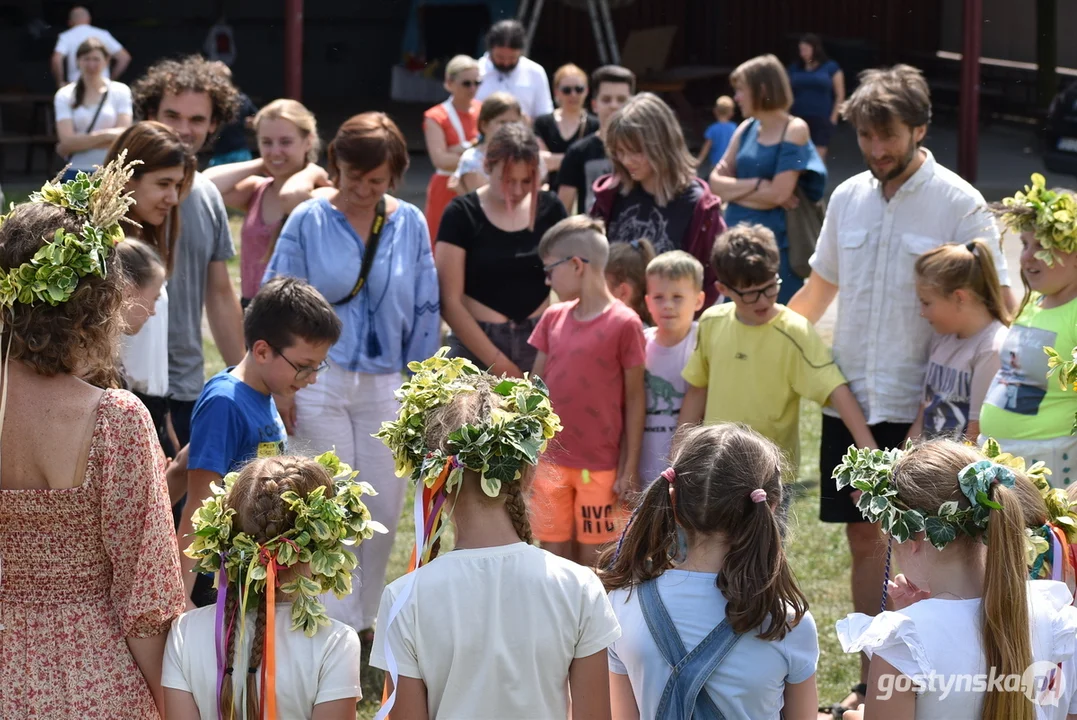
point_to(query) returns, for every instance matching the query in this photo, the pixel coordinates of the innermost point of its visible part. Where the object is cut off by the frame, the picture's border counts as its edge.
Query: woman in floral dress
(89, 577)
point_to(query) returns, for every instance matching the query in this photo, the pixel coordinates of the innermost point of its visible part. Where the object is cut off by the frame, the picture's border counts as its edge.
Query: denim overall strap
(684, 697)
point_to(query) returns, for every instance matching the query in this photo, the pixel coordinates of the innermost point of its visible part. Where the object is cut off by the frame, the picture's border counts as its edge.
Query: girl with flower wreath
(498, 628)
(965, 605)
(89, 572)
(277, 536)
(1029, 414)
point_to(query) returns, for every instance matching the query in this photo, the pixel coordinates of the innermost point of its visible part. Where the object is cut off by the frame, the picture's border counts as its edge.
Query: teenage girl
(316, 677)
(498, 628)
(1030, 414)
(268, 188)
(976, 611)
(961, 297)
(626, 274)
(498, 109)
(701, 567)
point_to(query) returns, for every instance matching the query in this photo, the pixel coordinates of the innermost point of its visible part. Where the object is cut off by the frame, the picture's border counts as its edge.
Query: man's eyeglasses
(470, 83)
(569, 89)
(752, 296)
(548, 269)
(302, 373)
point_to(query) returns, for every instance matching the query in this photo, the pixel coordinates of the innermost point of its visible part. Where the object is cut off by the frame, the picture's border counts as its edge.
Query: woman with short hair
(569, 121)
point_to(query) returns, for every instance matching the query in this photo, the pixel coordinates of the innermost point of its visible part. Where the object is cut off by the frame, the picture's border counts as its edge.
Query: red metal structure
(293, 49)
(969, 125)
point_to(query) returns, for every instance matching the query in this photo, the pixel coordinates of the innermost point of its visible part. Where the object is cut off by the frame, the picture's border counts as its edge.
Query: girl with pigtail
(276, 534)
(498, 628)
(699, 581)
(972, 636)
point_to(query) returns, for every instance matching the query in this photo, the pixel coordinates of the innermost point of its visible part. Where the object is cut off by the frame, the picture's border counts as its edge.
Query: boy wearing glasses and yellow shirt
(288, 328)
(755, 359)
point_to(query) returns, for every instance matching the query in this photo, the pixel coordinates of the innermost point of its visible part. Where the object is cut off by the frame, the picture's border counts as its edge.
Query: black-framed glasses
(302, 373)
(752, 296)
(569, 89)
(470, 83)
(548, 269)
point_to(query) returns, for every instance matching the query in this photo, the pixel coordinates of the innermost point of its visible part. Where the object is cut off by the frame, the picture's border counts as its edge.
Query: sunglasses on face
(752, 296)
(470, 83)
(569, 89)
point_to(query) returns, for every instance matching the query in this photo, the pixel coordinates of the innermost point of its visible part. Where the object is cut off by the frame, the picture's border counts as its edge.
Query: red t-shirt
(585, 371)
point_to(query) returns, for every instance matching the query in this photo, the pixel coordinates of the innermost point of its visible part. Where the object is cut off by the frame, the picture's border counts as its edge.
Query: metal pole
(596, 28)
(969, 127)
(521, 12)
(533, 26)
(607, 22)
(293, 49)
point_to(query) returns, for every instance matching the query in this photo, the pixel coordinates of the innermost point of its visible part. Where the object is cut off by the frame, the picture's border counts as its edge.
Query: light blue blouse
(396, 317)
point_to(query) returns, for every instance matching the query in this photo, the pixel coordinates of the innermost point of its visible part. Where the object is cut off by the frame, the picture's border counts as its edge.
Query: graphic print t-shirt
(636, 215)
(1022, 402)
(232, 424)
(665, 394)
(959, 371)
(585, 161)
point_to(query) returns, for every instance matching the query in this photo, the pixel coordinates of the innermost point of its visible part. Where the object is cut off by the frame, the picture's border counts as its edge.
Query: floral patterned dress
(84, 568)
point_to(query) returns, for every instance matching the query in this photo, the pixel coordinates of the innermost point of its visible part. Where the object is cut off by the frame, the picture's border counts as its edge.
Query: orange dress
(84, 568)
(438, 194)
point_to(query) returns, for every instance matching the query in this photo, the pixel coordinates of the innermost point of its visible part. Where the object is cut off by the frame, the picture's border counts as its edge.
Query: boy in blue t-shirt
(716, 137)
(288, 328)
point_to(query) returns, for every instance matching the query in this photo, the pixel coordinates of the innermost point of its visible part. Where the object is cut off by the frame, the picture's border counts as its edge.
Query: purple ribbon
(218, 631)
(1058, 560)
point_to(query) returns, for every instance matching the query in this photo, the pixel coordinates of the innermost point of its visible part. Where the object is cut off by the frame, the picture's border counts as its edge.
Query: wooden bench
(33, 128)
(46, 143)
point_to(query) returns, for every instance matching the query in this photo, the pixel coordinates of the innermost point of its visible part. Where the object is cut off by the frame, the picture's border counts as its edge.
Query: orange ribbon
(1068, 570)
(269, 661)
(428, 496)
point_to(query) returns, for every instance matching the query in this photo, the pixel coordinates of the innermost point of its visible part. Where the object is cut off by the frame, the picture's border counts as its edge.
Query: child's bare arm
(589, 687)
(540, 364)
(704, 152)
(635, 417)
(410, 699)
(622, 700)
(918, 425)
(693, 405)
(845, 403)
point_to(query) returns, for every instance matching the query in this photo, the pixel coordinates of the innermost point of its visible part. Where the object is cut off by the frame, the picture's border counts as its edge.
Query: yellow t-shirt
(756, 374)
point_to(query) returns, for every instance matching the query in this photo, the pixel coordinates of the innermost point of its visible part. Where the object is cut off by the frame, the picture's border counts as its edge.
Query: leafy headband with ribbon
(1049, 214)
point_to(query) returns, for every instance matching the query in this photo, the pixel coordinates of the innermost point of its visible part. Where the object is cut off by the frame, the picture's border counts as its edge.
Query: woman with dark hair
(90, 112)
(818, 91)
(158, 185)
(89, 570)
(369, 254)
(493, 289)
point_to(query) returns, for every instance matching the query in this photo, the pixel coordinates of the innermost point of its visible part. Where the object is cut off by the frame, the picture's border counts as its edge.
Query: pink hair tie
(759, 495)
(670, 475)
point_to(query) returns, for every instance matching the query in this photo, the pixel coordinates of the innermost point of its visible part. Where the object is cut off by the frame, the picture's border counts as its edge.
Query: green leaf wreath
(323, 528)
(1050, 215)
(517, 432)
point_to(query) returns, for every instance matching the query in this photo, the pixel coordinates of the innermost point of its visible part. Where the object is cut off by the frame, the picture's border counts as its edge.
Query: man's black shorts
(836, 506)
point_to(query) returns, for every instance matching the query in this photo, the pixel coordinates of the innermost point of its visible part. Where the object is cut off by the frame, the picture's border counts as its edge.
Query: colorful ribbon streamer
(269, 661)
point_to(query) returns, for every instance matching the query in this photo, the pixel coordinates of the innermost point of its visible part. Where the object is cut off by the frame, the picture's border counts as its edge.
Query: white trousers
(342, 410)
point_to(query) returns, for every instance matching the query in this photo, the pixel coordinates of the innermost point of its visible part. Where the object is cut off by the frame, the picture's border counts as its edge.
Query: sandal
(837, 710)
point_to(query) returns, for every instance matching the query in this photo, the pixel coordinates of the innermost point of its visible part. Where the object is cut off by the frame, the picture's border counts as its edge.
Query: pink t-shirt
(585, 364)
(255, 239)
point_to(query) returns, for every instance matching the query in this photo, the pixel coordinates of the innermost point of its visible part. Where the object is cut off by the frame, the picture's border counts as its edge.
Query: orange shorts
(573, 504)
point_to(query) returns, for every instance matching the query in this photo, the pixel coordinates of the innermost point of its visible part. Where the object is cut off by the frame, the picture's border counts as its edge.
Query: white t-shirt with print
(117, 103)
(67, 44)
(492, 631)
(310, 670)
(750, 682)
(939, 639)
(665, 394)
(959, 372)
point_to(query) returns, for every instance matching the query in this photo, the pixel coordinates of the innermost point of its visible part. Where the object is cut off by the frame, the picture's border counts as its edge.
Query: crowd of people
(671, 321)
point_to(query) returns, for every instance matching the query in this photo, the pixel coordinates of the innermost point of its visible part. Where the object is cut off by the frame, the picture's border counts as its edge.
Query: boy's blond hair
(676, 265)
(724, 106)
(578, 236)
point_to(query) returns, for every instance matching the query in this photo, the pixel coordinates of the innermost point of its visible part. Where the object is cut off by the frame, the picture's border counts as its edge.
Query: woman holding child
(369, 254)
(493, 289)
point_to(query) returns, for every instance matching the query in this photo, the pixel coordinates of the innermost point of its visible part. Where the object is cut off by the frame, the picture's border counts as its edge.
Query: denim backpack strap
(684, 696)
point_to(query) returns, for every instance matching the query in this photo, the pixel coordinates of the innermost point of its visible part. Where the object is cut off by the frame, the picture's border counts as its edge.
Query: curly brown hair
(80, 336)
(190, 74)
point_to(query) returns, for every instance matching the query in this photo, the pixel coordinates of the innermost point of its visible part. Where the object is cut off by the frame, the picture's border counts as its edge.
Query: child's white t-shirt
(310, 670)
(750, 682)
(492, 631)
(938, 640)
(665, 394)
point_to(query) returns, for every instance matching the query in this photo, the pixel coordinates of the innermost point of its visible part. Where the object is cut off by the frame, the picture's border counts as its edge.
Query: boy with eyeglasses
(288, 328)
(755, 359)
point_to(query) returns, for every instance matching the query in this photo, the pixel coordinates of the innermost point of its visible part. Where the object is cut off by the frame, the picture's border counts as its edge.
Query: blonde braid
(255, 662)
(226, 701)
(516, 506)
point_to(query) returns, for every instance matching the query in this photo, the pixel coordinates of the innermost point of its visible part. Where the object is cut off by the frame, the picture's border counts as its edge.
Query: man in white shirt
(504, 68)
(877, 224)
(67, 44)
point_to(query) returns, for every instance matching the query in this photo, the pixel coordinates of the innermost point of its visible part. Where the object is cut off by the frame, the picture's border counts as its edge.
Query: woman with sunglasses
(450, 128)
(493, 290)
(568, 123)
